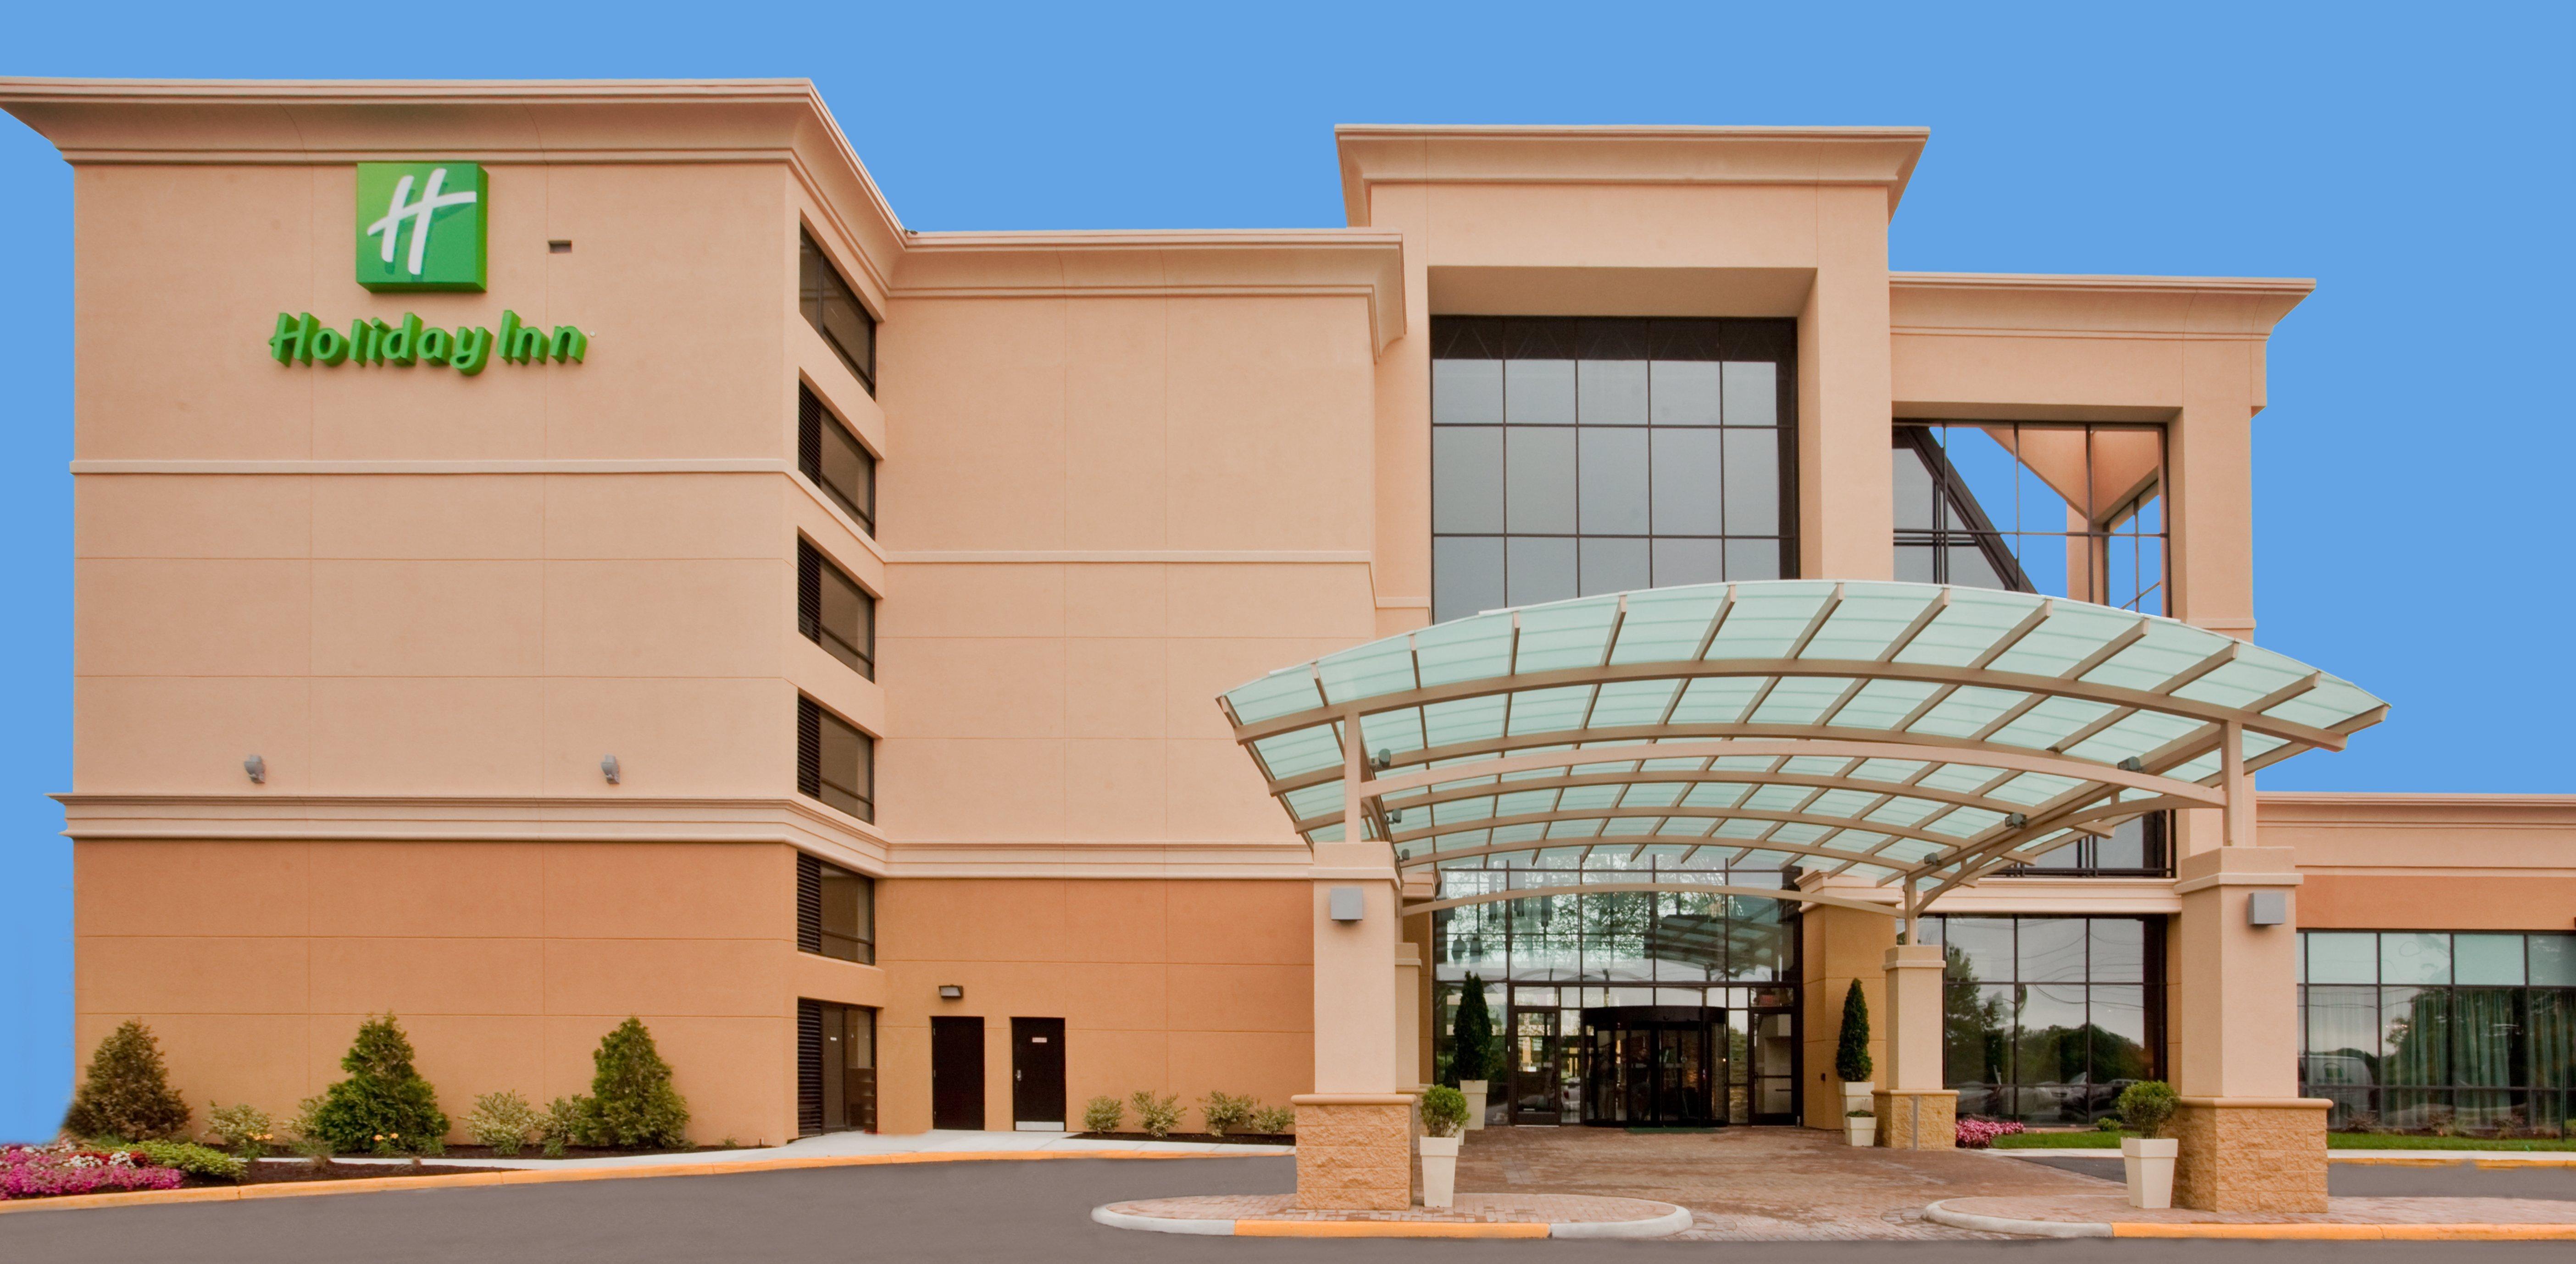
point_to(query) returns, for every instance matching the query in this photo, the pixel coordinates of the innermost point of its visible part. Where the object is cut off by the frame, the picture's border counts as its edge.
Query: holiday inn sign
(422, 226)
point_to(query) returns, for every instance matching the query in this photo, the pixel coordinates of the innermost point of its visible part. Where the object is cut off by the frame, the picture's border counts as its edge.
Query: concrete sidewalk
(2406, 1158)
(845, 1144)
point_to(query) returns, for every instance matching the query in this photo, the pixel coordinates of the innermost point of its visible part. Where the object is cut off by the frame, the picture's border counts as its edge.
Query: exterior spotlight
(258, 770)
(2016, 820)
(2133, 764)
(951, 992)
(1395, 816)
(608, 768)
(1385, 760)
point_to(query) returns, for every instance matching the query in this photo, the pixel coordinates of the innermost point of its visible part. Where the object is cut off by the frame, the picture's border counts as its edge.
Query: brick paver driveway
(1756, 1183)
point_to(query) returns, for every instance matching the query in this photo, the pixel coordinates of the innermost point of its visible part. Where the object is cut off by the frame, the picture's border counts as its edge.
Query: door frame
(1026, 1033)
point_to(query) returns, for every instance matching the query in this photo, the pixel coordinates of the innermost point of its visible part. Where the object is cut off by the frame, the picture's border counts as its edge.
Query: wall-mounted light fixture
(258, 770)
(2267, 908)
(951, 992)
(608, 768)
(1347, 904)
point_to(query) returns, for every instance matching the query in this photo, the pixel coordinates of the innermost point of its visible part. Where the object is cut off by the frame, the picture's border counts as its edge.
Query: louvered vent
(809, 1068)
(809, 592)
(809, 748)
(809, 434)
(809, 904)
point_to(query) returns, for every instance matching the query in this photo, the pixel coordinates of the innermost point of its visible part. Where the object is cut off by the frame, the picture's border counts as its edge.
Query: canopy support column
(1914, 1111)
(1355, 1131)
(2249, 1141)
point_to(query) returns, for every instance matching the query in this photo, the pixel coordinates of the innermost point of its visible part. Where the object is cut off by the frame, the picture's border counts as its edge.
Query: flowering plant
(40, 1171)
(1977, 1134)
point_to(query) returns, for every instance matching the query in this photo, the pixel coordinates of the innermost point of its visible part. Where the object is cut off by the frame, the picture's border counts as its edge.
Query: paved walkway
(1748, 1184)
(2113, 1210)
(836, 1144)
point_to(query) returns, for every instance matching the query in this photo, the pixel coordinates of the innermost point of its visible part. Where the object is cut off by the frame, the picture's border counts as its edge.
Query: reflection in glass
(2069, 509)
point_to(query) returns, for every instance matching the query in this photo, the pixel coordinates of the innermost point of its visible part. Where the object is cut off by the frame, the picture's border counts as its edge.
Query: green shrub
(632, 1102)
(1851, 1054)
(194, 1159)
(1156, 1115)
(566, 1122)
(127, 1092)
(1226, 1114)
(502, 1121)
(304, 1133)
(1103, 1114)
(244, 1129)
(1444, 1111)
(2106, 1123)
(1471, 1037)
(384, 1106)
(1275, 1121)
(2146, 1105)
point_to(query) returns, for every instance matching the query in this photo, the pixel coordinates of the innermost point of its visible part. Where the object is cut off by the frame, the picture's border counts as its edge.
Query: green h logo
(420, 225)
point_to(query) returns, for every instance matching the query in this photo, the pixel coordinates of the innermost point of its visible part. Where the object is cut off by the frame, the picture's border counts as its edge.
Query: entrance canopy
(1914, 734)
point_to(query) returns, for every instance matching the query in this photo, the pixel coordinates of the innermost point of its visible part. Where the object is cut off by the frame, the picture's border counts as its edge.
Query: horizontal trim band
(539, 466)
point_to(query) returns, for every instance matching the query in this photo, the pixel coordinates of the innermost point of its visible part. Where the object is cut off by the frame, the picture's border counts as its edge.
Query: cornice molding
(2416, 810)
(1374, 154)
(1309, 262)
(501, 122)
(2001, 304)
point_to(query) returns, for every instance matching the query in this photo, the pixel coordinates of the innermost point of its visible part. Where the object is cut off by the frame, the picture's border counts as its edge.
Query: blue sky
(2411, 472)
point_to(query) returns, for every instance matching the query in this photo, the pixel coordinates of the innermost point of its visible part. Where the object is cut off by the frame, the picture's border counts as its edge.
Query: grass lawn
(2334, 1141)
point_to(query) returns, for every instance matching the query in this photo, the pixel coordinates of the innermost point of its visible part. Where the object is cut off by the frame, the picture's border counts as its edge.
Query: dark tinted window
(834, 612)
(829, 454)
(835, 762)
(835, 911)
(832, 307)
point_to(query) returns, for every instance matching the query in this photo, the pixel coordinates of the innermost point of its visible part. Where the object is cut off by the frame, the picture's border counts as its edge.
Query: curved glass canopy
(1914, 733)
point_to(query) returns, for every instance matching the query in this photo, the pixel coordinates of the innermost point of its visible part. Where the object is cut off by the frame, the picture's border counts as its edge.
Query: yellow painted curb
(2354, 1232)
(542, 1176)
(1384, 1229)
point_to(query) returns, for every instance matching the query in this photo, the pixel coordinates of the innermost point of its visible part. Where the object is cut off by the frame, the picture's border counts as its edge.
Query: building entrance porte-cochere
(1823, 747)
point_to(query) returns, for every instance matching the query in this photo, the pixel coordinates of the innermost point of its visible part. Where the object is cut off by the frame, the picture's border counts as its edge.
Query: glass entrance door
(1537, 1053)
(1654, 1065)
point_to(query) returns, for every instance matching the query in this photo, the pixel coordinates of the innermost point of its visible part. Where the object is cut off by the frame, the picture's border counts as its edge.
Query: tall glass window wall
(2050, 1017)
(1580, 456)
(2064, 508)
(2431, 1029)
(1544, 960)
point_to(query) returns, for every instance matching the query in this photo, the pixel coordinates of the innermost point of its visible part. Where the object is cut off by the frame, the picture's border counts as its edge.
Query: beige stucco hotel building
(729, 607)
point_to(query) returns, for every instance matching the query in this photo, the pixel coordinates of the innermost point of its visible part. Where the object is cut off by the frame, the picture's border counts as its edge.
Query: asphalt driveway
(1032, 1211)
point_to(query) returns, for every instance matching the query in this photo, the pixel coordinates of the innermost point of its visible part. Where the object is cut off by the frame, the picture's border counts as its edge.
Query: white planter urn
(2149, 1162)
(1856, 1095)
(1861, 1130)
(1475, 1092)
(1439, 1171)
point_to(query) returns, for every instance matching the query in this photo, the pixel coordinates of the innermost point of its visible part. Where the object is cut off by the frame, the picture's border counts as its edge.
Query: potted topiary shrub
(1851, 1054)
(1444, 1117)
(1471, 1044)
(2148, 1159)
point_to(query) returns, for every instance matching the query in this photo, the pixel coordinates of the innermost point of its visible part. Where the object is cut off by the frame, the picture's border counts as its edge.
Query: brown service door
(1037, 1074)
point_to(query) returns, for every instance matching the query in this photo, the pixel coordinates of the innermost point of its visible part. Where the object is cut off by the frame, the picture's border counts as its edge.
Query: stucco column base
(1354, 1151)
(1922, 1119)
(2250, 1154)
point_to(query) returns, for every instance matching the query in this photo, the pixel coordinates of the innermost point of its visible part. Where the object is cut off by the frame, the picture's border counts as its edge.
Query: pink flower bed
(43, 1171)
(1977, 1134)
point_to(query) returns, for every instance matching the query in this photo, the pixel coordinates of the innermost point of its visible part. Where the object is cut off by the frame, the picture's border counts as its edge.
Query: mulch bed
(1231, 1138)
(582, 1152)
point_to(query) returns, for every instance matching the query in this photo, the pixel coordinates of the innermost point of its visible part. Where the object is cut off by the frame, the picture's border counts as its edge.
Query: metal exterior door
(957, 1073)
(1037, 1074)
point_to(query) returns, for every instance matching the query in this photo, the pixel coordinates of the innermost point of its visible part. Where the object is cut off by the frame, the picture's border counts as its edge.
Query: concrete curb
(2368, 1158)
(1940, 1213)
(522, 1176)
(1672, 1221)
